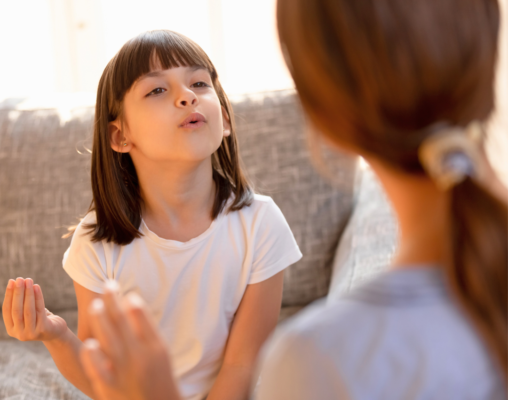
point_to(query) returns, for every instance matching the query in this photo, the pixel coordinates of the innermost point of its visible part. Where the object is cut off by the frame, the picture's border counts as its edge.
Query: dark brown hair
(374, 74)
(116, 194)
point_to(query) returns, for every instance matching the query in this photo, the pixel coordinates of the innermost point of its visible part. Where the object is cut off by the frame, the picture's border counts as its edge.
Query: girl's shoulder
(82, 237)
(83, 230)
(262, 199)
(262, 211)
(260, 204)
(89, 218)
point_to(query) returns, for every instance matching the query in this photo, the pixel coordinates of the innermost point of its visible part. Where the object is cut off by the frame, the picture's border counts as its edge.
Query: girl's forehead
(157, 72)
(165, 72)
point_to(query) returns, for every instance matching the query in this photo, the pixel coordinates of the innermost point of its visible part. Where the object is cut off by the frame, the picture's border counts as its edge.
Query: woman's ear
(117, 139)
(226, 123)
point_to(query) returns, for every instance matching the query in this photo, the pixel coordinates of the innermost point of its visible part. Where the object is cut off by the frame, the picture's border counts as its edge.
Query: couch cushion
(28, 372)
(369, 240)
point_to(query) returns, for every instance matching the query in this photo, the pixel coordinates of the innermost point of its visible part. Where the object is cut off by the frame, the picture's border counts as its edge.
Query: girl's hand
(25, 315)
(129, 359)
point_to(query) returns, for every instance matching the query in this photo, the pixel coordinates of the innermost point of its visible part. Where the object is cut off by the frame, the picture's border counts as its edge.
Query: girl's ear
(226, 123)
(117, 139)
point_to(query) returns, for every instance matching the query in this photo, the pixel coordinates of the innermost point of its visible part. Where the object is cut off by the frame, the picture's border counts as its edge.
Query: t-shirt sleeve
(85, 261)
(293, 368)
(275, 247)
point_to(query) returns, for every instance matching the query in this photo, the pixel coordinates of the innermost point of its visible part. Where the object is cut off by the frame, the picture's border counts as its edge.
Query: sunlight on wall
(64, 45)
(26, 48)
(497, 144)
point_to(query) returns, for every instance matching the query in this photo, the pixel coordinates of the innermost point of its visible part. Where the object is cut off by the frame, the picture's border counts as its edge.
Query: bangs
(153, 50)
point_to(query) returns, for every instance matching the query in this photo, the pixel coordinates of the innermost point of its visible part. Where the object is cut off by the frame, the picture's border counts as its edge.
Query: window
(64, 45)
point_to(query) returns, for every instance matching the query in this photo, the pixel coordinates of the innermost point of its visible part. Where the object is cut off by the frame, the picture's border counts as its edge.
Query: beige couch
(44, 187)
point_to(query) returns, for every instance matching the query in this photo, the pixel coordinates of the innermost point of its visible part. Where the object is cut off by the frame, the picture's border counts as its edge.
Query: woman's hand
(128, 359)
(25, 315)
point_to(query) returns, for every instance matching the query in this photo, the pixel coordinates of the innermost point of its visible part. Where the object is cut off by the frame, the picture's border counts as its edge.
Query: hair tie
(451, 154)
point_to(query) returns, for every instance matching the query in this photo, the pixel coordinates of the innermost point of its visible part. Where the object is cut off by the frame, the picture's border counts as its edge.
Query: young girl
(408, 84)
(173, 220)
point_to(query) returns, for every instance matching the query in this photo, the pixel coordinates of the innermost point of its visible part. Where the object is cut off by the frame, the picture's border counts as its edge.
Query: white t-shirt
(192, 288)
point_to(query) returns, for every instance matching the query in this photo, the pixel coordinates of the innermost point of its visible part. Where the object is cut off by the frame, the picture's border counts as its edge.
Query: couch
(343, 224)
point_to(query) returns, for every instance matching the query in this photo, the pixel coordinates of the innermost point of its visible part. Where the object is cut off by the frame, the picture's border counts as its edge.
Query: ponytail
(479, 275)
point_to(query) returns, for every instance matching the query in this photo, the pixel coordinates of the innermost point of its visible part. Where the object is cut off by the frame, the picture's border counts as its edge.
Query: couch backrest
(273, 142)
(369, 240)
(44, 187)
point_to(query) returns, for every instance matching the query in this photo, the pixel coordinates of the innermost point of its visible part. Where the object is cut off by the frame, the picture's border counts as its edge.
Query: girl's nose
(186, 98)
(185, 102)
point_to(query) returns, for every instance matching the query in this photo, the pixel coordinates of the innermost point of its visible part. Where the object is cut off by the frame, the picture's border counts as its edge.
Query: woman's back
(400, 336)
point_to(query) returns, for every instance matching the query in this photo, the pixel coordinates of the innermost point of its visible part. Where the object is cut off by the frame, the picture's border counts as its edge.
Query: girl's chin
(192, 151)
(190, 159)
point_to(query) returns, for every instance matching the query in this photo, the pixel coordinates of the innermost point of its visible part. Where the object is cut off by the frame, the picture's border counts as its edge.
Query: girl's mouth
(193, 121)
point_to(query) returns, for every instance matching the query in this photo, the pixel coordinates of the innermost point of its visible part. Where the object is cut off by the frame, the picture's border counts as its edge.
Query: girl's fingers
(29, 306)
(139, 319)
(104, 331)
(17, 304)
(96, 364)
(7, 305)
(40, 308)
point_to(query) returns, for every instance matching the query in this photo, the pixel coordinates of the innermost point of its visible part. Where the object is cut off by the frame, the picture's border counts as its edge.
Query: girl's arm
(65, 351)
(255, 319)
(27, 319)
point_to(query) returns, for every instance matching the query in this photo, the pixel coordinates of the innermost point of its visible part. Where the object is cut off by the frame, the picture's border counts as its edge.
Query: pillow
(369, 240)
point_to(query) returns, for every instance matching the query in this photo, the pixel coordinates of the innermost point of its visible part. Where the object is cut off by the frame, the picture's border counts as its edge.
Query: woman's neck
(423, 213)
(177, 198)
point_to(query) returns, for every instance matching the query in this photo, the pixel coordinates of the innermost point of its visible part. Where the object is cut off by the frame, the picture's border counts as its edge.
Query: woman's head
(376, 76)
(159, 103)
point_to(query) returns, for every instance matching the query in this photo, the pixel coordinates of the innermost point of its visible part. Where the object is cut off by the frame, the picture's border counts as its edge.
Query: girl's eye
(200, 84)
(156, 91)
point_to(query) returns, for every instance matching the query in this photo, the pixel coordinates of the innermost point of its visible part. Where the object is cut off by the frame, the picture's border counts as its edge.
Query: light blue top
(399, 337)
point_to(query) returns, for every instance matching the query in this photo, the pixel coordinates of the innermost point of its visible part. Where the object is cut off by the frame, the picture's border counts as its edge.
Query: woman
(408, 85)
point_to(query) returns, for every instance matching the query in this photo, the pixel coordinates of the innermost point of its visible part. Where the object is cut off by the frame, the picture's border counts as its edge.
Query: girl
(408, 84)
(173, 220)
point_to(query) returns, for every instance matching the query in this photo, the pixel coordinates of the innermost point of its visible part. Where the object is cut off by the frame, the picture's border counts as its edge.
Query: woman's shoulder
(315, 323)
(298, 362)
(397, 303)
(424, 336)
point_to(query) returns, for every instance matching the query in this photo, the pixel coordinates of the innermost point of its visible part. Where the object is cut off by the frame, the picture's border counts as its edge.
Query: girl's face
(171, 115)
